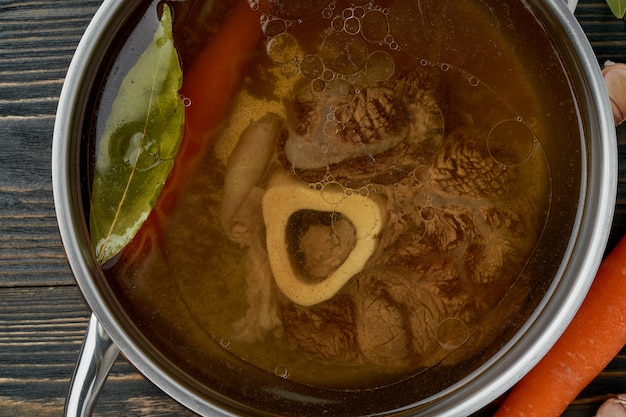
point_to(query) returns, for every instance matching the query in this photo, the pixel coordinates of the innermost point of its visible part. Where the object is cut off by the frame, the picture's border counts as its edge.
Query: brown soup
(377, 206)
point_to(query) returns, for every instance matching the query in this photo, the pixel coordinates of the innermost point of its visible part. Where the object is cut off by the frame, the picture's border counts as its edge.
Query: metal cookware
(111, 330)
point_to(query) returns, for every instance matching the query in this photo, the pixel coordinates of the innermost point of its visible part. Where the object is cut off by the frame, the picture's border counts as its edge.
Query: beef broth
(395, 187)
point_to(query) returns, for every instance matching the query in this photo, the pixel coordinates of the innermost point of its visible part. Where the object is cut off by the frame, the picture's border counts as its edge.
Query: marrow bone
(287, 195)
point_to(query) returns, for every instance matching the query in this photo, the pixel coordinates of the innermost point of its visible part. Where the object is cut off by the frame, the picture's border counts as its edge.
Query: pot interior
(455, 125)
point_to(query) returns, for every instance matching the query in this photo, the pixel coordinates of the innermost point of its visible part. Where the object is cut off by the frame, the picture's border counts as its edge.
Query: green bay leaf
(618, 7)
(137, 149)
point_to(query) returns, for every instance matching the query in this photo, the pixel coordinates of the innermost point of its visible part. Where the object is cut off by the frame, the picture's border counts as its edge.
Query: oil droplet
(374, 26)
(344, 53)
(274, 27)
(330, 128)
(511, 142)
(318, 85)
(427, 213)
(337, 23)
(283, 48)
(289, 68)
(359, 12)
(352, 25)
(312, 66)
(452, 333)
(281, 371)
(142, 152)
(333, 193)
(225, 343)
(422, 174)
(380, 66)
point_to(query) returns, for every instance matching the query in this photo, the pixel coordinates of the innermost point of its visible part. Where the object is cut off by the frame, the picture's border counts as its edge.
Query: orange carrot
(590, 342)
(210, 85)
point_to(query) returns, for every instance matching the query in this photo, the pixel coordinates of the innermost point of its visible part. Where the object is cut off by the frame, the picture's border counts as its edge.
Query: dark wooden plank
(41, 328)
(42, 315)
(37, 41)
(26, 156)
(41, 331)
(618, 228)
(30, 247)
(606, 33)
(607, 36)
(37, 38)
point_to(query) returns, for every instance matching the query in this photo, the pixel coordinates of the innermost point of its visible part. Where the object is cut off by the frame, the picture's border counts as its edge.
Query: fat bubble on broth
(367, 204)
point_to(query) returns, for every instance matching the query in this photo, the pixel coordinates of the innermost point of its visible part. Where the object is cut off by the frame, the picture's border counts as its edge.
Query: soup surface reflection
(368, 208)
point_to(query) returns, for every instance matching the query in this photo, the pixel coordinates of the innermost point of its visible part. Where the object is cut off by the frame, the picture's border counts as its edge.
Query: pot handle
(95, 360)
(571, 4)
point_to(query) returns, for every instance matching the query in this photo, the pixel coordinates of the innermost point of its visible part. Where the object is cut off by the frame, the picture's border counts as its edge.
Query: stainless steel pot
(110, 330)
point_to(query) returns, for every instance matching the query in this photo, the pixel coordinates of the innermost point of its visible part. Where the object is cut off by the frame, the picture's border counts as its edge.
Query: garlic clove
(615, 80)
(614, 407)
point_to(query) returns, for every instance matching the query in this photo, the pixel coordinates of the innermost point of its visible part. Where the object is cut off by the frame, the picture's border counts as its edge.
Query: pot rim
(589, 236)
(491, 379)
(67, 200)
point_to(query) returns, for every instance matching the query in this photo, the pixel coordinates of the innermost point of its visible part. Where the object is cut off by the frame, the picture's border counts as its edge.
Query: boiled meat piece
(459, 230)
(376, 134)
(390, 241)
(384, 318)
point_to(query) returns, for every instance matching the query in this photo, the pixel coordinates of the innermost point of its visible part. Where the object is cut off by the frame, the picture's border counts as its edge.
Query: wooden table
(42, 313)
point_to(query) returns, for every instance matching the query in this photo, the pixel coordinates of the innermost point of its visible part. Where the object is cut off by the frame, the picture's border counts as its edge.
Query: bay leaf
(137, 148)
(618, 7)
